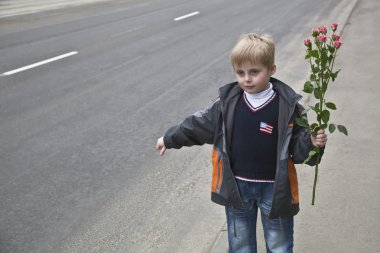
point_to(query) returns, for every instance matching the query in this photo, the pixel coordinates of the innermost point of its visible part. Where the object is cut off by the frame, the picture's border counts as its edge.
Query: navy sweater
(254, 139)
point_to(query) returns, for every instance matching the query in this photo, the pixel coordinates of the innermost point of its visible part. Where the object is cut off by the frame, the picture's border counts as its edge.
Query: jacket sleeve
(300, 144)
(197, 129)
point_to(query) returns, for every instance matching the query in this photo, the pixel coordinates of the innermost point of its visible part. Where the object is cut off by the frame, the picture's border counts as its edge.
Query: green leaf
(314, 68)
(324, 55)
(324, 60)
(313, 127)
(332, 128)
(314, 53)
(342, 129)
(308, 87)
(319, 117)
(311, 154)
(325, 116)
(317, 93)
(331, 106)
(334, 75)
(302, 122)
(331, 49)
(331, 57)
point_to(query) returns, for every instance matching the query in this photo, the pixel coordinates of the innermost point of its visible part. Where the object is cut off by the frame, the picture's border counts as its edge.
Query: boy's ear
(273, 69)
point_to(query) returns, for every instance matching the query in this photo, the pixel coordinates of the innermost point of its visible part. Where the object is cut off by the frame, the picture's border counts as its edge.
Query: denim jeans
(241, 222)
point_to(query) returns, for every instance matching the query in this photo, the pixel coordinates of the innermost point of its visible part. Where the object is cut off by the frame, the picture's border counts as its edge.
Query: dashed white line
(11, 72)
(187, 16)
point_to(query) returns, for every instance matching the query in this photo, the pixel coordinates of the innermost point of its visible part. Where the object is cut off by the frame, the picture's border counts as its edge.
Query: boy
(255, 146)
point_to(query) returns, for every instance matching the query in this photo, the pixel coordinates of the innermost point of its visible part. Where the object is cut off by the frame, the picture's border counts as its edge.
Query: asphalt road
(79, 172)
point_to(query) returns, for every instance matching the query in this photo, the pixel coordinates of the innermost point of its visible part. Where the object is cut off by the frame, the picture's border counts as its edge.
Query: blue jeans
(241, 222)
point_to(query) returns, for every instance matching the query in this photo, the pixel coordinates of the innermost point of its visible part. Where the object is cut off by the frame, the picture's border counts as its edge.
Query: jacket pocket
(217, 171)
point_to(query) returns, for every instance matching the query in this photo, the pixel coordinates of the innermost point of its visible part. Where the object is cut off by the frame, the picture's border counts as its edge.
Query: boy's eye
(250, 72)
(254, 71)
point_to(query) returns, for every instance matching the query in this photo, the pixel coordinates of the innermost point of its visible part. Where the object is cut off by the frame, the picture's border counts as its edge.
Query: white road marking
(11, 72)
(187, 16)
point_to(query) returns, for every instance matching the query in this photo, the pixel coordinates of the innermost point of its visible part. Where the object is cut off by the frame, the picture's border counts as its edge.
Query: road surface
(85, 91)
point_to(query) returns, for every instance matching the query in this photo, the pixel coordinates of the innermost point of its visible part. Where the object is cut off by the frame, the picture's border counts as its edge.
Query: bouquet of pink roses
(320, 53)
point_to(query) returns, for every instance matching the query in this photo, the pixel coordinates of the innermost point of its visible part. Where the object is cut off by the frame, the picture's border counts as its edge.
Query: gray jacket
(214, 126)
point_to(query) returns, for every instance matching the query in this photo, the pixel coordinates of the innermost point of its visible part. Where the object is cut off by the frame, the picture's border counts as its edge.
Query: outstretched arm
(196, 129)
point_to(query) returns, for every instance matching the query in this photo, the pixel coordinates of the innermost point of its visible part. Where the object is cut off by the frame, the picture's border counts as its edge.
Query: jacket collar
(287, 93)
(228, 91)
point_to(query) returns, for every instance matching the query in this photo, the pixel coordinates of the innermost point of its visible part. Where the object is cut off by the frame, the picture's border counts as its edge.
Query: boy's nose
(247, 78)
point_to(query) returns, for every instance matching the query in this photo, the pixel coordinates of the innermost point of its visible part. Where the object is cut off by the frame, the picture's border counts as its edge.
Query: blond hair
(254, 49)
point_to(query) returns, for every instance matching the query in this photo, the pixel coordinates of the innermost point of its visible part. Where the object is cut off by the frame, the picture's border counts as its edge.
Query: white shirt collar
(263, 95)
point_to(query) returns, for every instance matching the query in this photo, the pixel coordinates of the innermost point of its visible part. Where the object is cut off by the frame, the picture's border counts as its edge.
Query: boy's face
(254, 78)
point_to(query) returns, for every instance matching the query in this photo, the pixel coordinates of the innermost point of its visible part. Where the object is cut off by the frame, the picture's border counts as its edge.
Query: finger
(322, 142)
(162, 152)
(321, 131)
(159, 144)
(321, 136)
(321, 139)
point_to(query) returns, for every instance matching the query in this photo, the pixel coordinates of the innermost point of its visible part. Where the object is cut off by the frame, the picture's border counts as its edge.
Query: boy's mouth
(249, 84)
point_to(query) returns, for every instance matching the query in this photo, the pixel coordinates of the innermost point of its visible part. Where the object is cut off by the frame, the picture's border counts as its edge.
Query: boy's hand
(320, 139)
(161, 146)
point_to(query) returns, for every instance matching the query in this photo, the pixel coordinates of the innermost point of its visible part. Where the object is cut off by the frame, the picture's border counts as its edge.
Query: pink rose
(335, 37)
(315, 32)
(322, 38)
(334, 26)
(337, 43)
(307, 42)
(322, 29)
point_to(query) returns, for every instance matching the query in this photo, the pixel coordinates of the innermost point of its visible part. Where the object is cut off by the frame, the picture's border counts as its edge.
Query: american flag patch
(266, 128)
